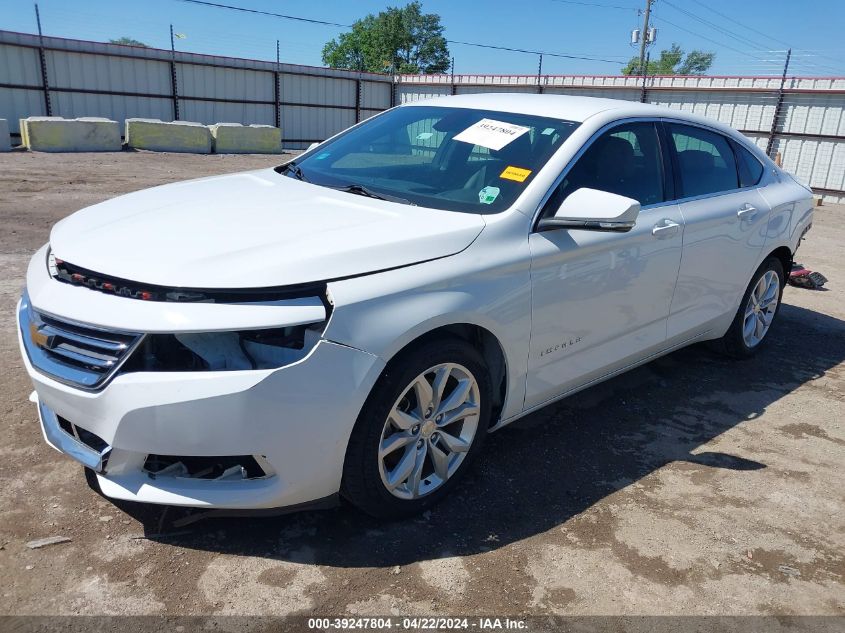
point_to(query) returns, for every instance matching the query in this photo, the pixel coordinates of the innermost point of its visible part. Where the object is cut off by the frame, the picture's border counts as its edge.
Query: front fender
(383, 313)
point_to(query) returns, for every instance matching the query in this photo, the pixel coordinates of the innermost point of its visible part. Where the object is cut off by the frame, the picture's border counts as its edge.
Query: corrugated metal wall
(95, 79)
(311, 104)
(809, 130)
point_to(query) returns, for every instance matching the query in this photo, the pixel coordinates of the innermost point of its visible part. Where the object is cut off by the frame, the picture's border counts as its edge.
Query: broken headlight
(225, 351)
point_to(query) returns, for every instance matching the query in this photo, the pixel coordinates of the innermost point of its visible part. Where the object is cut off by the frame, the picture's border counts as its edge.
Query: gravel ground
(692, 485)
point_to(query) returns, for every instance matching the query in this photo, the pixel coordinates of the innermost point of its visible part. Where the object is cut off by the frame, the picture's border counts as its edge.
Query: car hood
(252, 230)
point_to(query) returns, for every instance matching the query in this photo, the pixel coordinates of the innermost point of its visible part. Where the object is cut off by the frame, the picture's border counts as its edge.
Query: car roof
(572, 108)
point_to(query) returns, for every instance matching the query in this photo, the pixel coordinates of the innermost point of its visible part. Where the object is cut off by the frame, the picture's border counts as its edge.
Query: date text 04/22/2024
(417, 623)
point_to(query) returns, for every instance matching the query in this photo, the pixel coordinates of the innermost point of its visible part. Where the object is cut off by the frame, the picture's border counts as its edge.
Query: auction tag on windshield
(488, 195)
(515, 173)
(491, 134)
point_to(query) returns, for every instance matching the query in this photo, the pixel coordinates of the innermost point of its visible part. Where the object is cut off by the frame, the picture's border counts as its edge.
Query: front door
(601, 300)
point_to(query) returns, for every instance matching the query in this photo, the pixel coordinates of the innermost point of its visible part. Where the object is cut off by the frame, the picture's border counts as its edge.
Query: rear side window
(750, 169)
(705, 161)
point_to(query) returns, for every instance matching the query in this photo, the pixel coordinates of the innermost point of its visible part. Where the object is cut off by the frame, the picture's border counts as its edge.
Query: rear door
(724, 228)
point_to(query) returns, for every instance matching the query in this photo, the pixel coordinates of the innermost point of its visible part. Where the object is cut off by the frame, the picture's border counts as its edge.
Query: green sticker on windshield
(488, 195)
(322, 156)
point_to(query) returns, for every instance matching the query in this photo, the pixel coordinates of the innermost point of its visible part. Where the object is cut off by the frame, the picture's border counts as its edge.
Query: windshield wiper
(361, 190)
(296, 170)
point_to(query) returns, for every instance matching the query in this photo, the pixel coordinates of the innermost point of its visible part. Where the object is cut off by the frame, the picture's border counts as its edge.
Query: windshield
(474, 161)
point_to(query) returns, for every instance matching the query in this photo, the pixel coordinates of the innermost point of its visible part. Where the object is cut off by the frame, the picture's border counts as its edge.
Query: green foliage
(404, 40)
(673, 62)
(128, 41)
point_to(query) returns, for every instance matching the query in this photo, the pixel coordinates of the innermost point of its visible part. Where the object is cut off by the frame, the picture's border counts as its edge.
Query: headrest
(695, 160)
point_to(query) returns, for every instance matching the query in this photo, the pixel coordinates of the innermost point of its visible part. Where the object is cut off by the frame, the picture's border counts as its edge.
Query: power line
(596, 4)
(748, 54)
(740, 38)
(745, 26)
(530, 52)
(218, 5)
(269, 13)
(717, 27)
(704, 37)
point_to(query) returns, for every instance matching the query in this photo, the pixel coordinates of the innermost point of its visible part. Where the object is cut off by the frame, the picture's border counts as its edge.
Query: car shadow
(540, 471)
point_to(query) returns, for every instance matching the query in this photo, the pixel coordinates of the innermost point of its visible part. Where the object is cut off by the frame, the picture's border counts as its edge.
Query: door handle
(665, 228)
(746, 213)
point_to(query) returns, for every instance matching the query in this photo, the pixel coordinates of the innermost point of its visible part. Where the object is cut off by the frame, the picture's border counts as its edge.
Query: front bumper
(297, 418)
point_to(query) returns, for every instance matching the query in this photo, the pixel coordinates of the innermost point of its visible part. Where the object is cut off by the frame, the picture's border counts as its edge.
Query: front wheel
(757, 311)
(421, 427)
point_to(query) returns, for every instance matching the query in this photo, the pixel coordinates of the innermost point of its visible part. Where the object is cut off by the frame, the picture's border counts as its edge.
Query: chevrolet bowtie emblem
(40, 338)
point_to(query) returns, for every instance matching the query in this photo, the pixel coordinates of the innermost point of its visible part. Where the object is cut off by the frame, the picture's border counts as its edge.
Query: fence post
(778, 106)
(358, 99)
(174, 88)
(539, 75)
(277, 90)
(48, 106)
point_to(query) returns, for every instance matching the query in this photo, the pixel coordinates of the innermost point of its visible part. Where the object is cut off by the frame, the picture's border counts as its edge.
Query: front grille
(80, 355)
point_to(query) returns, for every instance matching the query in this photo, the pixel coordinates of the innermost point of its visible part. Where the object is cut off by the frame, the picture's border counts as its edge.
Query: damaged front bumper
(236, 439)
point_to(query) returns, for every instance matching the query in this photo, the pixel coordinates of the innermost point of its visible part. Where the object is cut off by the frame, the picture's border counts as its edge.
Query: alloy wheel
(760, 309)
(429, 431)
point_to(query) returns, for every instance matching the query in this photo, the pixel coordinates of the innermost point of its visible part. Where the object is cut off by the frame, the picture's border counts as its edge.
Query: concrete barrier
(56, 134)
(5, 141)
(168, 136)
(234, 138)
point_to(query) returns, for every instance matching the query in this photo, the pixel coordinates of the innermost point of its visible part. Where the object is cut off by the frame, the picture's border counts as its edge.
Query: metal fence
(801, 118)
(72, 78)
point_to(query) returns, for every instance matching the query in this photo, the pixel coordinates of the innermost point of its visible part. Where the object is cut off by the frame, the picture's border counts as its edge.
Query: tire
(373, 471)
(736, 342)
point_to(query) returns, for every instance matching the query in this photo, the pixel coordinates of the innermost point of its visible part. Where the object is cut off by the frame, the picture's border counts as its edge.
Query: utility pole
(645, 77)
(644, 34)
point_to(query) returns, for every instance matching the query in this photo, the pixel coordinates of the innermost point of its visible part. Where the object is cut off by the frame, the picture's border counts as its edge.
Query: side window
(705, 160)
(625, 160)
(750, 169)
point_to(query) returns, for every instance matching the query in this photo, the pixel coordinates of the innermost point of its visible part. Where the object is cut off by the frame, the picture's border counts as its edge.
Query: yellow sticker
(515, 173)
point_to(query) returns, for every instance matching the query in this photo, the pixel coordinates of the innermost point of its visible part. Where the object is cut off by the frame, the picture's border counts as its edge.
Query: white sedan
(353, 323)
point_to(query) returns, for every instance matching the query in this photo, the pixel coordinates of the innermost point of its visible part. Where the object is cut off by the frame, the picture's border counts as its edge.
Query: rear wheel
(757, 311)
(421, 427)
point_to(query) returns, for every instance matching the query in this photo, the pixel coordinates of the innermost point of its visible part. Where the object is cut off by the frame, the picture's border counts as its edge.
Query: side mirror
(593, 210)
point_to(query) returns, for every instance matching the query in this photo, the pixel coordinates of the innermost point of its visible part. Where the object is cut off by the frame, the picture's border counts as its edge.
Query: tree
(128, 41)
(673, 62)
(404, 40)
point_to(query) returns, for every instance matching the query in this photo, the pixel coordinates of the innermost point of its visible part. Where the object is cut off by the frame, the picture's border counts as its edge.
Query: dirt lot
(693, 485)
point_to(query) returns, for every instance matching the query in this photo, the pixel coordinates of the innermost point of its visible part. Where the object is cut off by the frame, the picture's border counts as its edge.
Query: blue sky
(812, 28)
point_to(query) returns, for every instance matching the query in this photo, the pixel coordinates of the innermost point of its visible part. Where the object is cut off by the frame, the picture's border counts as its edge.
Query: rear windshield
(473, 161)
